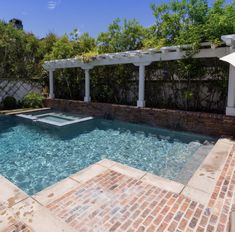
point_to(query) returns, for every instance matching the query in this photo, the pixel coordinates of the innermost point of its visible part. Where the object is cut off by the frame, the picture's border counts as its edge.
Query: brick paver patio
(114, 202)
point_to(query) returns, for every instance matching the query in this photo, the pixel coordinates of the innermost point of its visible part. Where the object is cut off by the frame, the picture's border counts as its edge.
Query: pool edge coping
(14, 112)
(208, 172)
(190, 190)
(48, 122)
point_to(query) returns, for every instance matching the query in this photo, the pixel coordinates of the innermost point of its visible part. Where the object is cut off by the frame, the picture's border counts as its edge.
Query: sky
(62, 16)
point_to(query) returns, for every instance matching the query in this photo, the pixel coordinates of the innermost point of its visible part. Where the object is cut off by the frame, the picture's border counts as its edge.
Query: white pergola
(142, 58)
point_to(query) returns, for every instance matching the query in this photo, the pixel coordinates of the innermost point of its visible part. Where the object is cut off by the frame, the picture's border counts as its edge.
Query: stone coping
(20, 212)
(202, 183)
(199, 187)
(51, 193)
(19, 111)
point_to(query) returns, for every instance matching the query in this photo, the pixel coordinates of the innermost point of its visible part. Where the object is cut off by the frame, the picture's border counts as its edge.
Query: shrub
(9, 103)
(33, 100)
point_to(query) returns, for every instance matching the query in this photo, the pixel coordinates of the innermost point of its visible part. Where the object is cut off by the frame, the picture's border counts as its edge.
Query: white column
(87, 97)
(51, 85)
(141, 101)
(230, 110)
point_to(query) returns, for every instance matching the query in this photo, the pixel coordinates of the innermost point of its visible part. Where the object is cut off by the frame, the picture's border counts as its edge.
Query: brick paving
(112, 201)
(18, 227)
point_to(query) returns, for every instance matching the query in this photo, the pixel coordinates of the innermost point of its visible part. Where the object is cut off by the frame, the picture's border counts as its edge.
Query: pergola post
(51, 85)
(87, 97)
(230, 109)
(141, 100)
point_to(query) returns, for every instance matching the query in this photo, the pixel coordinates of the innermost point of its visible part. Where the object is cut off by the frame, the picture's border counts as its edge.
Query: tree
(83, 43)
(192, 21)
(18, 53)
(121, 37)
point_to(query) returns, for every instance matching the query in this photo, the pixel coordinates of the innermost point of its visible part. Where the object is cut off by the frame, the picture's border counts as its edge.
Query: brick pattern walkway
(114, 202)
(18, 227)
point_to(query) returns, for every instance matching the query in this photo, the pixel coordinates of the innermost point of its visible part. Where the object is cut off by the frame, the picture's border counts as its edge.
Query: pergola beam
(140, 57)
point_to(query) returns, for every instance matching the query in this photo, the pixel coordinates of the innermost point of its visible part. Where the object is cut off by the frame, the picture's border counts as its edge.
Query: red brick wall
(205, 123)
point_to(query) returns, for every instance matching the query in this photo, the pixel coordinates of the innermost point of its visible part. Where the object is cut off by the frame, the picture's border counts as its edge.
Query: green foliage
(33, 100)
(88, 56)
(62, 49)
(9, 103)
(46, 45)
(85, 43)
(113, 84)
(121, 37)
(193, 21)
(190, 84)
(18, 53)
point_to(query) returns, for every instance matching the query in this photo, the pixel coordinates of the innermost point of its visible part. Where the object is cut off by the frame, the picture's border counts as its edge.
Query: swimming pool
(34, 157)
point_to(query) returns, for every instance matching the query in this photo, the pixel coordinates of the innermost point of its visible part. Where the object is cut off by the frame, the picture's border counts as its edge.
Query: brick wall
(205, 123)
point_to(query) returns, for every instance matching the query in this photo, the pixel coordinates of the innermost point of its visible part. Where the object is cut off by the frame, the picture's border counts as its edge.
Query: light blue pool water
(34, 157)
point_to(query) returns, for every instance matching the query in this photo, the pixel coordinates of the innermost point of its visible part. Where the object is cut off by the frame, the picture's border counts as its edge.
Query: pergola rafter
(143, 58)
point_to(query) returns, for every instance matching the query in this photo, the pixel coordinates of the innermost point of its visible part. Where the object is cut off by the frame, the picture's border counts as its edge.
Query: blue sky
(60, 16)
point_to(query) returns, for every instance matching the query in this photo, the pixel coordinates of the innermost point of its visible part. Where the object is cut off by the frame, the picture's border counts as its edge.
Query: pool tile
(88, 173)
(9, 193)
(51, 193)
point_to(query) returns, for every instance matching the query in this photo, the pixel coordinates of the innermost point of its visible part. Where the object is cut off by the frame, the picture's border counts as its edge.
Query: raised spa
(54, 118)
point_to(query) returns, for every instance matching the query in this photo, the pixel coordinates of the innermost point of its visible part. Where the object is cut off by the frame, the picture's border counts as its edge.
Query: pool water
(34, 156)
